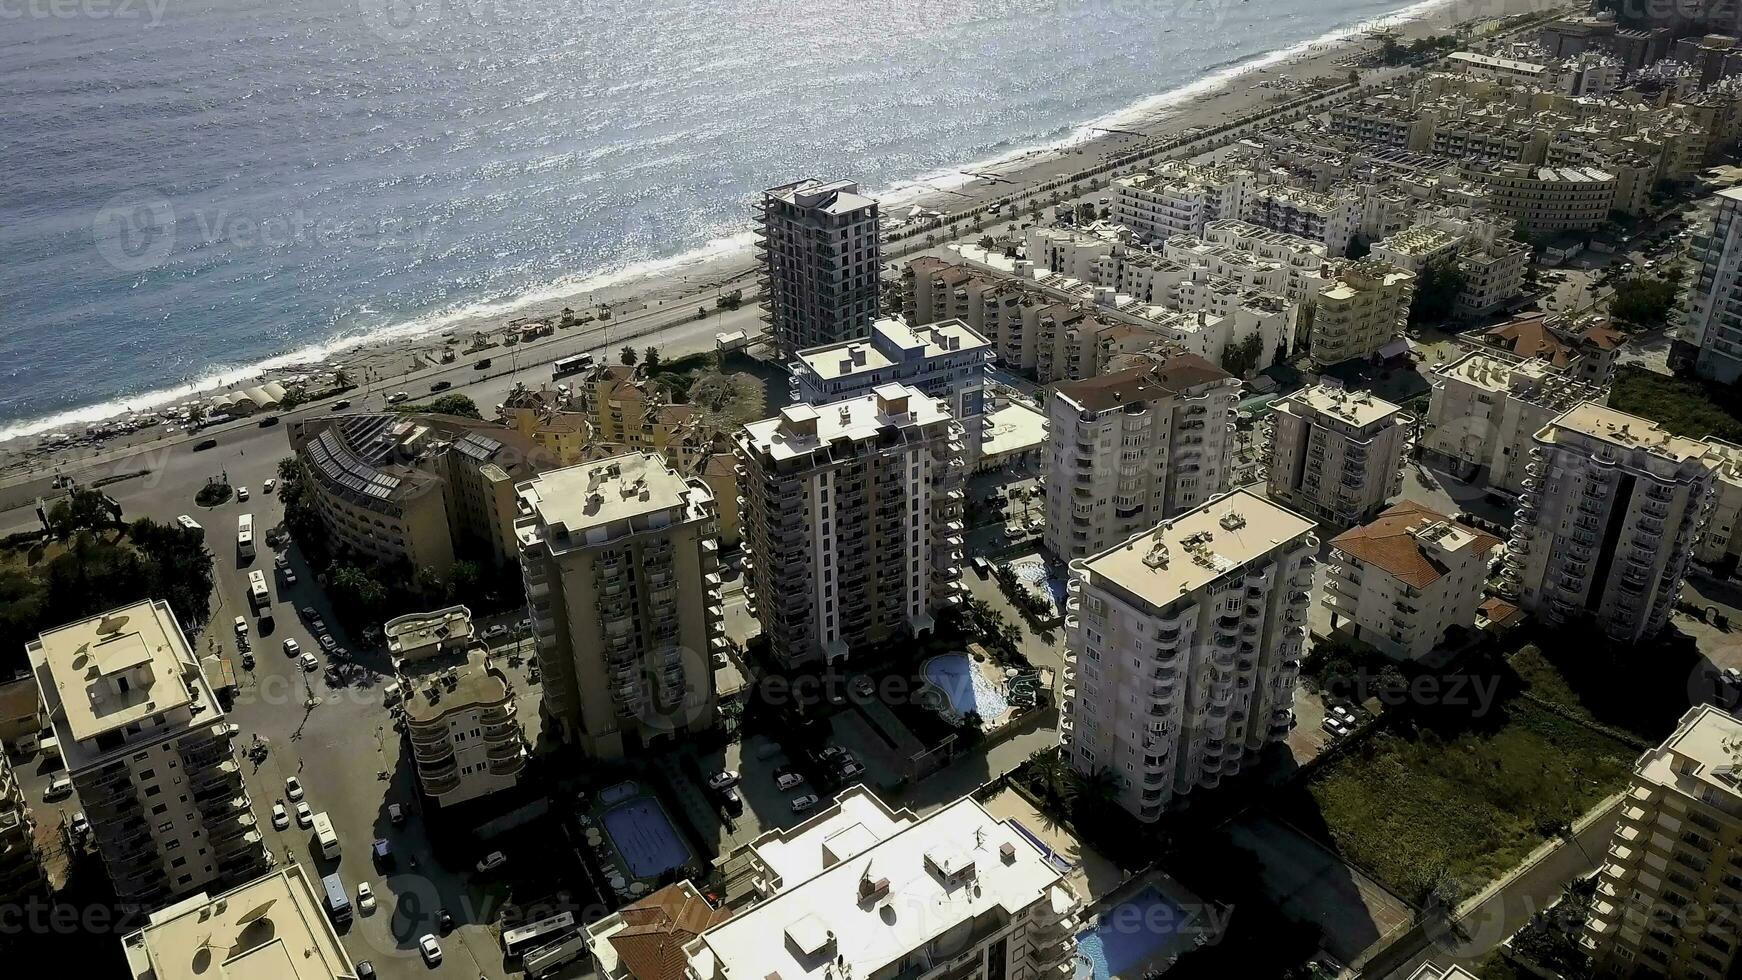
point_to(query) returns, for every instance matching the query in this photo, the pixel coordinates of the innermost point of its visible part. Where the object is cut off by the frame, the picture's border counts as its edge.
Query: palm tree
(1097, 789)
(1053, 774)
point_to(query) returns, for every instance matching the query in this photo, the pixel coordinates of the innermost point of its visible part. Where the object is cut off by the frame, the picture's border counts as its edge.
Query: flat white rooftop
(1623, 431)
(1181, 555)
(888, 899)
(116, 669)
(569, 501)
(1358, 408)
(803, 428)
(272, 928)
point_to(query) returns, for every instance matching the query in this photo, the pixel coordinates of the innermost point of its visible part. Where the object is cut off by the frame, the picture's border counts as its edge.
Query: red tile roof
(1388, 544)
(651, 943)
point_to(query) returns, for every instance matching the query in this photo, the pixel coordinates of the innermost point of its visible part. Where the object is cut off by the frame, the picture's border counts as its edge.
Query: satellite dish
(255, 913)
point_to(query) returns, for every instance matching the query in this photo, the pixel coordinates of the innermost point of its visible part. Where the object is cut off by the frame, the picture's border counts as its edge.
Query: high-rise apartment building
(1337, 455)
(1184, 644)
(1130, 448)
(1674, 866)
(1612, 510)
(1711, 327)
(621, 562)
(821, 259)
(945, 360)
(1362, 308)
(148, 750)
(852, 521)
(1179, 198)
(21, 872)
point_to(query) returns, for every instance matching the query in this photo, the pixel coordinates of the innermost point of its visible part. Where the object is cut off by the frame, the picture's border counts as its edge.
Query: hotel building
(852, 521)
(621, 561)
(148, 750)
(1183, 646)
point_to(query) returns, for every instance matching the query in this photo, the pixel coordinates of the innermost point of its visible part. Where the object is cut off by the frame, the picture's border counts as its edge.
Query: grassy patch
(1419, 807)
(1601, 683)
(1684, 406)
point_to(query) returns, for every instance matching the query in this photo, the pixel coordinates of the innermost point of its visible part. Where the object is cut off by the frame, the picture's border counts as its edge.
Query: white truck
(726, 343)
(329, 841)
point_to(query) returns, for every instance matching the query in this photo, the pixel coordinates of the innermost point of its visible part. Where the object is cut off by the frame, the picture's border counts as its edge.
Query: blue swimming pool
(645, 837)
(1127, 935)
(966, 688)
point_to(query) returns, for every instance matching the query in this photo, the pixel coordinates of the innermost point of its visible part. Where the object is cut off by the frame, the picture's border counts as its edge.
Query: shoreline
(1101, 145)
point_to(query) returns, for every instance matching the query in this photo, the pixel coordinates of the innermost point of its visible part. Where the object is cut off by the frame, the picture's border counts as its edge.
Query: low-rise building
(20, 712)
(460, 717)
(1675, 849)
(1337, 455)
(273, 926)
(852, 521)
(947, 360)
(1362, 307)
(1612, 510)
(1487, 407)
(862, 890)
(1721, 545)
(1550, 200)
(1332, 217)
(1405, 580)
(1183, 647)
(148, 750)
(1583, 348)
(645, 939)
(1178, 197)
(1127, 449)
(621, 562)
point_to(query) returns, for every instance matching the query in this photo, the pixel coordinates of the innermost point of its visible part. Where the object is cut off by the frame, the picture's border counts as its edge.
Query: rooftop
(647, 937)
(1703, 757)
(1407, 540)
(884, 899)
(271, 928)
(891, 338)
(1169, 373)
(1196, 548)
(113, 670)
(1358, 408)
(589, 497)
(823, 196)
(802, 429)
(419, 635)
(1624, 431)
(435, 687)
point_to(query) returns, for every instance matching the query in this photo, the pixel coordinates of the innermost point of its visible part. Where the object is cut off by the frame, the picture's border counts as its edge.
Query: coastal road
(247, 454)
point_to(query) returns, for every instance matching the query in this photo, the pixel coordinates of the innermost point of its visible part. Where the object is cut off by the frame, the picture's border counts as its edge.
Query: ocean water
(192, 187)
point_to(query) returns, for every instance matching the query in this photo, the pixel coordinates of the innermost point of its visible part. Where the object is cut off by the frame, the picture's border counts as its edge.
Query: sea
(193, 189)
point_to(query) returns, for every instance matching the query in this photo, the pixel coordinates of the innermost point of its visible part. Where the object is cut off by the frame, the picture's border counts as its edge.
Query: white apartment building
(1183, 646)
(1403, 581)
(1486, 409)
(1362, 307)
(1332, 217)
(621, 561)
(149, 753)
(1711, 324)
(852, 519)
(1337, 455)
(1512, 71)
(1674, 865)
(1299, 260)
(861, 890)
(1179, 198)
(820, 250)
(1417, 248)
(272, 927)
(1128, 449)
(460, 717)
(21, 872)
(1493, 268)
(947, 360)
(1612, 509)
(1721, 544)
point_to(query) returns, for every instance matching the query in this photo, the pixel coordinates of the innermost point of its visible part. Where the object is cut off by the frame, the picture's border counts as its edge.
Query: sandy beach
(982, 195)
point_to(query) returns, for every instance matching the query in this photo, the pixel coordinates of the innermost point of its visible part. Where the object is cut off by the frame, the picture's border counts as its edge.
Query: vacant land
(1436, 813)
(1684, 406)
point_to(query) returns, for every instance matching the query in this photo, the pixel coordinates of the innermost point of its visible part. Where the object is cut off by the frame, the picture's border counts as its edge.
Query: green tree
(1643, 300)
(1241, 358)
(1436, 292)
(454, 404)
(356, 595)
(627, 355)
(81, 510)
(650, 358)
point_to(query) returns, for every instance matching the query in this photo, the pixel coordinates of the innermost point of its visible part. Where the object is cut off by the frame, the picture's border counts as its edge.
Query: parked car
(382, 854)
(205, 444)
(731, 800)
(291, 647)
(188, 522)
(341, 404)
(852, 770)
(398, 397)
(441, 386)
(327, 642)
(305, 817)
(292, 788)
(365, 898)
(492, 861)
(431, 950)
(241, 626)
(788, 780)
(444, 921)
(80, 825)
(723, 779)
(802, 803)
(241, 493)
(61, 786)
(308, 662)
(280, 817)
(268, 422)
(863, 686)
(395, 814)
(483, 364)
